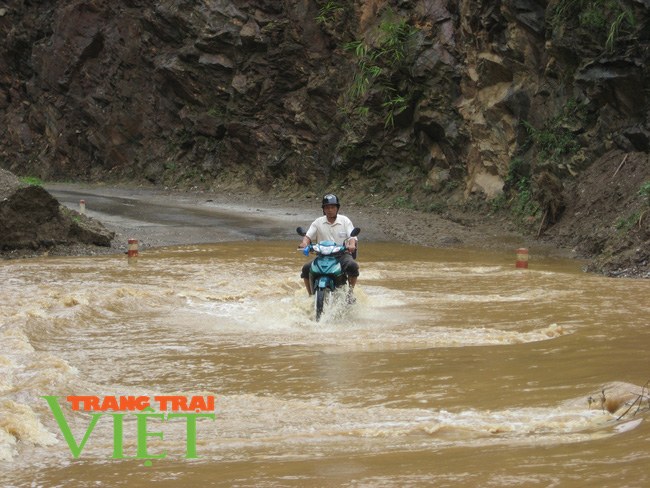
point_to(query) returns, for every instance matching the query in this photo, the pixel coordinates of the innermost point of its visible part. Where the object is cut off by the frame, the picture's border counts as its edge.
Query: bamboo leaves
(379, 59)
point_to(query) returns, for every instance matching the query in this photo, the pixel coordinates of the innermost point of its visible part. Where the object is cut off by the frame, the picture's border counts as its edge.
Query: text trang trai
(142, 407)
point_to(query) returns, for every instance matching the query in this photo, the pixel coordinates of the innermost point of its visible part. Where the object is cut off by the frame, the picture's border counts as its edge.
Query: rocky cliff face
(434, 100)
(183, 90)
(173, 91)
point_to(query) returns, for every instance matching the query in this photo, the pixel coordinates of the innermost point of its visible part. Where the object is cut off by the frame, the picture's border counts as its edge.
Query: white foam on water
(377, 318)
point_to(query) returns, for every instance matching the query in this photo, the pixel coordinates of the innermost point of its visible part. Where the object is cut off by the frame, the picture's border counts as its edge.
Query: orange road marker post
(82, 207)
(132, 252)
(522, 258)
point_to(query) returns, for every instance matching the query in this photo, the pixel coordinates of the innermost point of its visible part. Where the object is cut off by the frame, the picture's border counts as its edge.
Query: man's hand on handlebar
(352, 245)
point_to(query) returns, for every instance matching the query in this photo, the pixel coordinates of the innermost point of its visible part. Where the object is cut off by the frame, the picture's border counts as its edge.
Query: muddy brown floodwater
(453, 368)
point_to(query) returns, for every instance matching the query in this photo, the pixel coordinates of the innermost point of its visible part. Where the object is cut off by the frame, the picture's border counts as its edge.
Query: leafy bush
(626, 223)
(605, 19)
(556, 140)
(327, 11)
(32, 180)
(644, 192)
(525, 204)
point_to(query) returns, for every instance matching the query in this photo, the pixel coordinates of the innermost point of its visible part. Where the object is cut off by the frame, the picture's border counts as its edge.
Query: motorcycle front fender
(324, 282)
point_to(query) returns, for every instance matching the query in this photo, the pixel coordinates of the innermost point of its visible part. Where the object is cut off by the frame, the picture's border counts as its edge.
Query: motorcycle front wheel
(319, 301)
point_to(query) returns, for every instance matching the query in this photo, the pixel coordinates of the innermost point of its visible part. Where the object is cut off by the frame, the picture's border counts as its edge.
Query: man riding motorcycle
(332, 227)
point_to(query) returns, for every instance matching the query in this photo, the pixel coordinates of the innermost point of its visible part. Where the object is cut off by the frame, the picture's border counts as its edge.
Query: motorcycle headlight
(327, 250)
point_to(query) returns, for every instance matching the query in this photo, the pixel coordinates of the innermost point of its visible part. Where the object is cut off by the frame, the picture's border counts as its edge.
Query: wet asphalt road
(157, 219)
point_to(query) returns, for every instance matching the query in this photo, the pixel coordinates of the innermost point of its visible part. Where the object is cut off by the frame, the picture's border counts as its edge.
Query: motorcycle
(325, 273)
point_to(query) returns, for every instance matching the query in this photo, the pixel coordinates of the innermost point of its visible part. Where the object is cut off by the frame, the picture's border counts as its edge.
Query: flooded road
(454, 367)
(175, 221)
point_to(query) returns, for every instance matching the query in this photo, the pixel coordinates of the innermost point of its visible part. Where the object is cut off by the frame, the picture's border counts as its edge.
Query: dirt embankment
(607, 215)
(33, 222)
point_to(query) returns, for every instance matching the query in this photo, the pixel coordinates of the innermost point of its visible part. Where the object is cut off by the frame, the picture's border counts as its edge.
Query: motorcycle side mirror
(355, 232)
(301, 231)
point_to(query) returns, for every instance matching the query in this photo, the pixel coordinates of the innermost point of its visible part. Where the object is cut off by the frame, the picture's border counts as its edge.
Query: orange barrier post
(522, 258)
(82, 206)
(133, 251)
